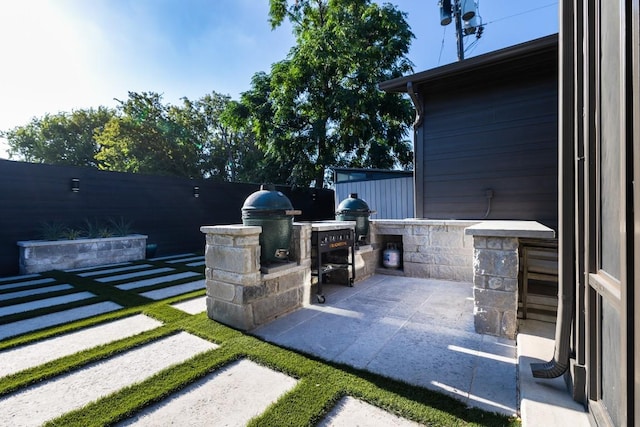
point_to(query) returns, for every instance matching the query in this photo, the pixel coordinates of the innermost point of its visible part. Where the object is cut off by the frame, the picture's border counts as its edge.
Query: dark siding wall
(499, 133)
(163, 208)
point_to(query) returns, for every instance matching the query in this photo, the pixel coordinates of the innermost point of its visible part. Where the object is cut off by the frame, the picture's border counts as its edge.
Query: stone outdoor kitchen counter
(495, 272)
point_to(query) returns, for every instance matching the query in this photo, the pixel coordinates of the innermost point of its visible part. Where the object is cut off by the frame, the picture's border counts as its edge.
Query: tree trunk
(322, 148)
(319, 176)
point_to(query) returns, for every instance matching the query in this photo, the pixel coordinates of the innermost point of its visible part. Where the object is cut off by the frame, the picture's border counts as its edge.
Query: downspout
(417, 104)
(566, 276)
(560, 362)
(566, 197)
(418, 211)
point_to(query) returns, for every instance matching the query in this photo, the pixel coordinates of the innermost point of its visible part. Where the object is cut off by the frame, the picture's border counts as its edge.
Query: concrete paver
(192, 306)
(544, 402)
(127, 276)
(30, 292)
(35, 405)
(20, 327)
(416, 330)
(351, 412)
(230, 396)
(28, 356)
(159, 294)
(45, 302)
(156, 280)
(112, 270)
(20, 284)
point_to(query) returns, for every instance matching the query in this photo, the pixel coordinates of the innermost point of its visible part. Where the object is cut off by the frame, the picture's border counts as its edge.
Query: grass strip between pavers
(37, 297)
(321, 384)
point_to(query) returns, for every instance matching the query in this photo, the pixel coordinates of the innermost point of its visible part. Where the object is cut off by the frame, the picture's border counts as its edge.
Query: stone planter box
(39, 255)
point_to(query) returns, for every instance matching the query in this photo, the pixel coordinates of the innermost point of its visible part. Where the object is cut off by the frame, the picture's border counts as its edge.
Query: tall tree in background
(321, 106)
(151, 137)
(225, 141)
(59, 139)
(275, 160)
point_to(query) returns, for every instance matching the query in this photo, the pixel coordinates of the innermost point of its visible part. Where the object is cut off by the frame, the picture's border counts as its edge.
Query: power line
(442, 45)
(521, 13)
(453, 9)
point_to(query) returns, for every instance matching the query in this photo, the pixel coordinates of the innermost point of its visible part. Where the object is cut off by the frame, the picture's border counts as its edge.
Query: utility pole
(459, 35)
(462, 11)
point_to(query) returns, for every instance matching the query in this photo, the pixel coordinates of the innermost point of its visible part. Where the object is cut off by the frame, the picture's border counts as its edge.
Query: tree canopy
(151, 137)
(60, 139)
(318, 107)
(321, 106)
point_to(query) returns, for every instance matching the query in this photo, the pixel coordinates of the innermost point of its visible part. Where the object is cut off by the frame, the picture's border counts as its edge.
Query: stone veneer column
(239, 293)
(232, 257)
(495, 285)
(495, 273)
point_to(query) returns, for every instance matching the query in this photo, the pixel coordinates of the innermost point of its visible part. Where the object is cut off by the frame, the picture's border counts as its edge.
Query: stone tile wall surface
(495, 285)
(431, 249)
(238, 293)
(39, 256)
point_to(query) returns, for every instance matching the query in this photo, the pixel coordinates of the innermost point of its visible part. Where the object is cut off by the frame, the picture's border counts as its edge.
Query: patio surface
(415, 330)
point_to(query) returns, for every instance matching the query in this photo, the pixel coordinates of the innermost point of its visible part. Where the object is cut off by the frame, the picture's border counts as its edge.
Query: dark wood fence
(164, 208)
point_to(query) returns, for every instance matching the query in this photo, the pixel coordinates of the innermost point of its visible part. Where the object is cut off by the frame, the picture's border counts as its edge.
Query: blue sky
(60, 55)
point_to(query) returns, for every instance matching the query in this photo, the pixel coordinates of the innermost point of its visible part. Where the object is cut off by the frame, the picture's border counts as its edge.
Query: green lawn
(320, 384)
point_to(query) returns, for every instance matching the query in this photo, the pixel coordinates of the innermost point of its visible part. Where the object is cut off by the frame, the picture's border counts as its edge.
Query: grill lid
(353, 204)
(268, 200)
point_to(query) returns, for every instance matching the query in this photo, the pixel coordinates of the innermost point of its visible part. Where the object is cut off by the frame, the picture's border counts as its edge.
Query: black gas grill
(332, 250)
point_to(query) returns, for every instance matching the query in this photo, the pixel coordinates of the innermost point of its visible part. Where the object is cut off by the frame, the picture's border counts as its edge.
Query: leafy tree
(202, 138)
(321, 105)
(225, 137)
(256, 164)
(63, 138)
(151, 137)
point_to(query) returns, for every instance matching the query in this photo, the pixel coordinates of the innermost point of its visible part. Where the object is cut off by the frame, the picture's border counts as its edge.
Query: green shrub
(95, 228)
(120, 227)
(91, 228)
(52, 230)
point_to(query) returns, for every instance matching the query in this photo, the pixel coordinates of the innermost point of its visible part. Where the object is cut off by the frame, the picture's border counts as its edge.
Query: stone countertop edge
(29, 243)
(235, 229)
(330, 225)
(524, 229)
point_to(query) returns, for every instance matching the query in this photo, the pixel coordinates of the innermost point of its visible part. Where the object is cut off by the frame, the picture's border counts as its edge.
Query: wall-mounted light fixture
(75, 185)
(196, 192)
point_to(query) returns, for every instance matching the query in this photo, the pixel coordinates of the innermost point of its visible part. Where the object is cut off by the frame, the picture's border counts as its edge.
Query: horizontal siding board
(496, 133)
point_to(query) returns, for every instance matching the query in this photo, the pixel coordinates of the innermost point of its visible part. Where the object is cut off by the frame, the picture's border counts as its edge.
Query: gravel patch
(28, 356)
(35, 405)
(229, 397)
